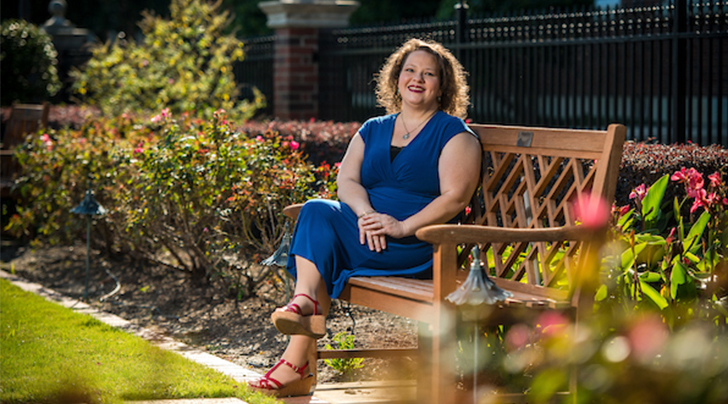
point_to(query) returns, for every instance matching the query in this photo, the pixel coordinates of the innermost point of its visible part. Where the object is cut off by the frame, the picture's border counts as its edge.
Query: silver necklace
(407, 134)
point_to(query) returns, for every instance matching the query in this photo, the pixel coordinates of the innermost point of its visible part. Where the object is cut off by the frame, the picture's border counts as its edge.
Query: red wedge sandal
(290, 320)
(273, 387)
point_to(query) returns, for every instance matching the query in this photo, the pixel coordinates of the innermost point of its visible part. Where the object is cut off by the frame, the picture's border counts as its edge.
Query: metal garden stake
(88, 207)
(477, 289)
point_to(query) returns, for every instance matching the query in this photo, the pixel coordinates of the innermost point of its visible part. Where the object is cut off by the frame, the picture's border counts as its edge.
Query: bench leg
(436, 383)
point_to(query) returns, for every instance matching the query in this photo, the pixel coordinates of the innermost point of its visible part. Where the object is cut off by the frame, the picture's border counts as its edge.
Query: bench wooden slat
(367, 353)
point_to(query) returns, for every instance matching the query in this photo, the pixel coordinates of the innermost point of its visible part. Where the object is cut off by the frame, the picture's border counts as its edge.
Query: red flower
(671, 237)
(715, 180)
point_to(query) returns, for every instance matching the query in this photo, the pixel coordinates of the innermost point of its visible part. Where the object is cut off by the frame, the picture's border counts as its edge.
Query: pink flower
(47, 141)
(294, 145)
(695, 179)
(551, 323)
(518, 336)
(592, 211)
(680, 175)
(700, 200)
(648, 337)
(259, 138)
(639, 192)
(624, 210)
(337, 165)
(715, 180)
(725, 201)
(139, 149)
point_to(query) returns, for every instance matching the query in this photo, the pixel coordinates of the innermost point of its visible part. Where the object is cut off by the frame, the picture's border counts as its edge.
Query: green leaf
(601, 293)
(625, 221)
(653, 200)
(654, 295)
(650, 277)
(682, 283)
(629, 256)
(677, 278)
(696, 231)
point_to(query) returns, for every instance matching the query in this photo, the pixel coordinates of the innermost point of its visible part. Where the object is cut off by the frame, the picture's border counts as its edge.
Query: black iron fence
(661, 70)
(257, 69)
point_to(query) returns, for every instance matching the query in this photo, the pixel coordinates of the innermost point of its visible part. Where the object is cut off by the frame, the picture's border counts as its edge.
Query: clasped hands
(375, 227)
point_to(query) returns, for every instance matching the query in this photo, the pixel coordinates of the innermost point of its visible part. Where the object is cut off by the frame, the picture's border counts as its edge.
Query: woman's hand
(375, 227)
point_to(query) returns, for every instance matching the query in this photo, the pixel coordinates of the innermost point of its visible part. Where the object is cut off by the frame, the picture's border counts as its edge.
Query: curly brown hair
(455, 91)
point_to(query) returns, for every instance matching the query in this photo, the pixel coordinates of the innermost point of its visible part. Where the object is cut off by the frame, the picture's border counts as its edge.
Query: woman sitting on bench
(417, 166)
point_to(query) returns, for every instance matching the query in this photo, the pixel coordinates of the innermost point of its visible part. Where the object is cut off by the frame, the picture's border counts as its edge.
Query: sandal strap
(297, 309)
(316, 305)
(269, 383)
(298, 369)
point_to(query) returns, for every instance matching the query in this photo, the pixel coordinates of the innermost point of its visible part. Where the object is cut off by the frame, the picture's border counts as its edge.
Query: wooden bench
(23, 119)
(522, 215)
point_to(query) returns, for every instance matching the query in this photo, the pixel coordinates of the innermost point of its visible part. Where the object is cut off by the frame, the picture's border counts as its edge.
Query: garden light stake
(88, 207)
(477, 289)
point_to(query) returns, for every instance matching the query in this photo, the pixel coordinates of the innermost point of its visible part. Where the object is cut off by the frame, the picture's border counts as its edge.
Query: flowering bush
(185, 64)
(189, 193)
(645, 163)
(323, 142)
(661, 260)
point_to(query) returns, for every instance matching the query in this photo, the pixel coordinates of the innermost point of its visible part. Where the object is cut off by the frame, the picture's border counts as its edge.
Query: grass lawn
(49, 354)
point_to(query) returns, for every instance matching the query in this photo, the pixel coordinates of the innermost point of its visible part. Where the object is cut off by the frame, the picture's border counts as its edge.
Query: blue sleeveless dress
(326, 231)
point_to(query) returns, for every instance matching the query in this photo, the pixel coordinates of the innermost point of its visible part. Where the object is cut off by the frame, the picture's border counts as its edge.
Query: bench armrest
(472, 234)
(292, 210)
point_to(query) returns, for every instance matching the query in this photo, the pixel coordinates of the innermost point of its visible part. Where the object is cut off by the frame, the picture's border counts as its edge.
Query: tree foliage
(182, 63)
(28, 60)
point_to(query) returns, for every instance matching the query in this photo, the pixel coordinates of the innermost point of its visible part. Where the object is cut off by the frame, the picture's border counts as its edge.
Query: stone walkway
(340, 393)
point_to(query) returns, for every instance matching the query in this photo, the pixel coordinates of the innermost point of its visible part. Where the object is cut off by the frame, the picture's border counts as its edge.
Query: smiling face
(419, 81)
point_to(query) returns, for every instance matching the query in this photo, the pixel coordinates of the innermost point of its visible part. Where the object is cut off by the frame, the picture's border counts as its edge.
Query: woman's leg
(301, 348)
(310, 283)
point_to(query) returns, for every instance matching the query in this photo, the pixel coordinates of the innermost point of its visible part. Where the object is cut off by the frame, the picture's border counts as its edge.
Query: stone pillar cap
(308, 13)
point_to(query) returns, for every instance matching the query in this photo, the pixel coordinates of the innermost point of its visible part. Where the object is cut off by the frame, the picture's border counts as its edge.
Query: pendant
(405, 136)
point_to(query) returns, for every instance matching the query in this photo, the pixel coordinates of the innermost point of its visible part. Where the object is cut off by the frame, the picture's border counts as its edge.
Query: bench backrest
(530, 179)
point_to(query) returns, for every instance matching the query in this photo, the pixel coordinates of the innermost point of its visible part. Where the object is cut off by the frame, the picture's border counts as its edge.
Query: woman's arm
(459, 170)
(348, 182)
(352, 193)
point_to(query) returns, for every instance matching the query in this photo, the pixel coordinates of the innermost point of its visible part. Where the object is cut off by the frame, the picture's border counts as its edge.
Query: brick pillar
(296, 73)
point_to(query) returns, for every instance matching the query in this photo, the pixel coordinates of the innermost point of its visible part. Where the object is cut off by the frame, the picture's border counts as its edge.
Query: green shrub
(28, 60)
(184, 64)
(189, 193)
(345, 366)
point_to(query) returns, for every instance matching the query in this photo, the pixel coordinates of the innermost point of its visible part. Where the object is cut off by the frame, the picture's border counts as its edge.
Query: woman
(417, 166)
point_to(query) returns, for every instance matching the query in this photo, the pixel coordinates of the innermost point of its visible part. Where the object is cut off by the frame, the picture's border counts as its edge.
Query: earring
(439, 98)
